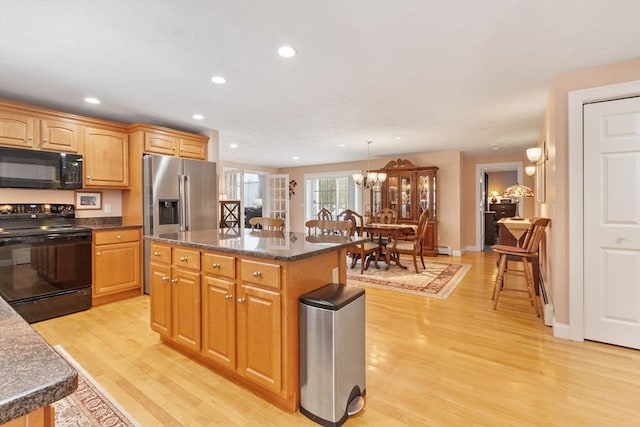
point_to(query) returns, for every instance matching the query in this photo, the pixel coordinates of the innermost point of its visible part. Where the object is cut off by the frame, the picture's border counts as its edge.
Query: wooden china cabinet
(409, 190)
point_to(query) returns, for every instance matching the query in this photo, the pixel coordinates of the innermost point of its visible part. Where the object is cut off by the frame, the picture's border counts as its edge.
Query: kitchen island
(229, 298)
(32, 374)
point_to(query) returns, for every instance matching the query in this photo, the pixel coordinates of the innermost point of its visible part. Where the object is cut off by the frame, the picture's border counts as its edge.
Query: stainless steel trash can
(332, 353)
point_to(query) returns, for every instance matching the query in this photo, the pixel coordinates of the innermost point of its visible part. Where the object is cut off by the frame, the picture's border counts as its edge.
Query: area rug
(89, 405)
(438, 280)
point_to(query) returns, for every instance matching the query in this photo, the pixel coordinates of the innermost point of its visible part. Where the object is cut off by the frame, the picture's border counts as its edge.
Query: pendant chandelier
(369, 179)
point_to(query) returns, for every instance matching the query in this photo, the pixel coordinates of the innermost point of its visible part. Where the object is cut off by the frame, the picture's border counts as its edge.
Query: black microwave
(20, 168)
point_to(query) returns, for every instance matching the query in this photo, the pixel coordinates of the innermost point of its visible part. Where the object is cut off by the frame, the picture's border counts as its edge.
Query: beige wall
(555, 132)
(448, 196)
(468, 207)
(500, 181)
(112, 198)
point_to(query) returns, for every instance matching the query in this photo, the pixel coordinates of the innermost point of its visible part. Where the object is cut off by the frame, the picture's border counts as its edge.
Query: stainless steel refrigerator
(179, 195)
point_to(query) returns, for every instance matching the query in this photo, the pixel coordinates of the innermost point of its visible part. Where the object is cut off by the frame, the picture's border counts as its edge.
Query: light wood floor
(429, 362)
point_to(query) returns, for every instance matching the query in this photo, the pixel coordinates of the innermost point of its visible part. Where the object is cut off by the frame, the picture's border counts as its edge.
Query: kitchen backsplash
(111, 200)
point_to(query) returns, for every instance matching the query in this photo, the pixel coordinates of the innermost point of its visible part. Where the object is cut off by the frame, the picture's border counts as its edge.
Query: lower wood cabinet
(238, 314)
(175, 289)
(117, 265)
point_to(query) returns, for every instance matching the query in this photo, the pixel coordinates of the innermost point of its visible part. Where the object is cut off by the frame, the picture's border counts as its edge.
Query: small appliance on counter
(45, 260)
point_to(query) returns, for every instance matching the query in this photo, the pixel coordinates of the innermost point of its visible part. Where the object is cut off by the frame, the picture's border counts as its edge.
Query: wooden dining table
(380, 230)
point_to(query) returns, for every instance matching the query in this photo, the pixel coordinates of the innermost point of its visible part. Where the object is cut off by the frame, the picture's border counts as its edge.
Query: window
(335, 192)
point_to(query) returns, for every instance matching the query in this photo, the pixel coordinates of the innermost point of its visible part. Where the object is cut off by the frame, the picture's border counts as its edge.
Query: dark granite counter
(32, 374)
(266, 244)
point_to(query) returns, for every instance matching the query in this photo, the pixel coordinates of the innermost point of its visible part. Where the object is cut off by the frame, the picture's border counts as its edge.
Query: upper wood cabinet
(172, 143)
(58, 135)
(192, 148)
(409, 190)
(17, 129)
(106, 158)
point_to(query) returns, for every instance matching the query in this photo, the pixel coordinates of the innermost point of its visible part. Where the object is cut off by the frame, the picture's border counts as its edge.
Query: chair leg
(422, 259)
(415, 263)
(528, 274)
(497, 287)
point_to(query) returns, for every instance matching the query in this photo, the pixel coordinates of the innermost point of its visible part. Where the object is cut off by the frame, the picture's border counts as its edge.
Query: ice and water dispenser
(167, 211)
(332, 353)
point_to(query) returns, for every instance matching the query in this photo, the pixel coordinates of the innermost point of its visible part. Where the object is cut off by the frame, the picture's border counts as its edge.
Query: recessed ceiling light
(218, 80)
(295, 157)
(233, 145)
(198, 116)
(398, 138)
(92, 100)
(340, 145)
(286, 51)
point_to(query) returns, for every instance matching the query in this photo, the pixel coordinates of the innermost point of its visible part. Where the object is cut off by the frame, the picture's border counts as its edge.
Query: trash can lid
(332, 296)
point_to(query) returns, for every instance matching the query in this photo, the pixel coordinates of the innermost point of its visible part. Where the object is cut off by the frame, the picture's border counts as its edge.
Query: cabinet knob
(118, 237)
(256, 274)
(174, 280)
(88, 177)
(30, 138)
(156, 253)
(45, 140)
(215, 265)
(241, 300)
(165, 278)
(98, 253)
(184, 259)
(228, 296)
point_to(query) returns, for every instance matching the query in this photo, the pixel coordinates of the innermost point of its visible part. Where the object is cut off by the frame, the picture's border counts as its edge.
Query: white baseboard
(561, 330)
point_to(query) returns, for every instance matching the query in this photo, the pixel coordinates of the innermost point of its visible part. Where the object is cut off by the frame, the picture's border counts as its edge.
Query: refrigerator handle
(183, 211)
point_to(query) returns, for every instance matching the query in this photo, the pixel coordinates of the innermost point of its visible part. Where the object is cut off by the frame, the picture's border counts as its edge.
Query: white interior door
(612, 222)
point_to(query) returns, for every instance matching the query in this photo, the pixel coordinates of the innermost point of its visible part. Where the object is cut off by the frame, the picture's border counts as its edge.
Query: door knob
(241, 300)
(228, 296)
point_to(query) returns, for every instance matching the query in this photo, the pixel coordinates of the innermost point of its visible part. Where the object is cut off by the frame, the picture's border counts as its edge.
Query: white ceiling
(455, 74)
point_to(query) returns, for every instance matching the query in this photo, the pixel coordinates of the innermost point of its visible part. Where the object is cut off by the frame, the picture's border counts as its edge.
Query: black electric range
(45, 260)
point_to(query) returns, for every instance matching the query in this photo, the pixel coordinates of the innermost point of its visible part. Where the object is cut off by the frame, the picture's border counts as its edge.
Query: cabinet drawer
(116, 236)
(260, 273)
(219, 265)
(185, 258)
(160, 253)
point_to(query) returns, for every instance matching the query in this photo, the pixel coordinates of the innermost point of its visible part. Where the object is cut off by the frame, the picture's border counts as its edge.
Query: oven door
(47, 275)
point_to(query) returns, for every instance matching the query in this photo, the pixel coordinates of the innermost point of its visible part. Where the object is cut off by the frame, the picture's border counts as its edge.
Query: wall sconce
(537, 156)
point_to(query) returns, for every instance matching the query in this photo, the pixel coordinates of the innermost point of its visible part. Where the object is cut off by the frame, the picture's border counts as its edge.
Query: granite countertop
(32, 373)
(266, 244)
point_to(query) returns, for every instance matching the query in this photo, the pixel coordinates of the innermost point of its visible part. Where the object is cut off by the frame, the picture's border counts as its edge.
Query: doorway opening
(493, 177)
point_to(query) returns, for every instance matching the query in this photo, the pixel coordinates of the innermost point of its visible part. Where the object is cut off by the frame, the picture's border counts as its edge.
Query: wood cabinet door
(219, 321)
(193, 149)
(16, 129)
(116, 268)
(160, 289)
(57, 135)
(159, 143)
(259, 335)
(106, 158)
(186, 308)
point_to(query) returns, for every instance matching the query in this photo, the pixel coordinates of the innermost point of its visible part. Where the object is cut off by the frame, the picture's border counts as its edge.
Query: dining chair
(267, 223)
(386, 216)
(524, 254)
(319, 226)
(365, 251)
(325, 214)
(409, 244)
